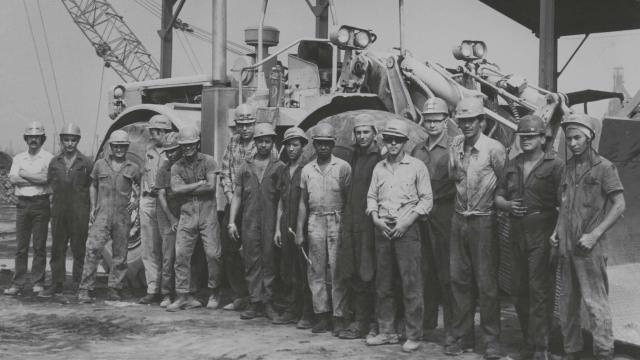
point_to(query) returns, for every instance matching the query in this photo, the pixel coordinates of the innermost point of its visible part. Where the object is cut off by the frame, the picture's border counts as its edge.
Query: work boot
(113, 294)
(382, 339)
(51, 291)
(323, 325)
(149, 299)
(339, 324)
(453, 349)
(166, 301)
(573, 356)
(540, 355)
(269, 312)
(13, 291)
(84, 297)
(37, 289)
(286, 318)
(177, 305)
(410, 346)
(305, 323)
(238, 304)
(250, 312)
(356, 330)
(191, 303)
(213, 302)
(492, 352)
(526, 352)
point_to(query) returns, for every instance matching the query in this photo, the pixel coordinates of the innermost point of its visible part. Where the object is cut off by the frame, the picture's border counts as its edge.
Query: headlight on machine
(470, 50)
(349, 37)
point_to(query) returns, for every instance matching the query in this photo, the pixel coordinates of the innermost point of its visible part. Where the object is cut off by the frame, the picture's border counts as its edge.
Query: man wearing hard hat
(256, 194)
(70, 178)
(112, 195)
(28, 175)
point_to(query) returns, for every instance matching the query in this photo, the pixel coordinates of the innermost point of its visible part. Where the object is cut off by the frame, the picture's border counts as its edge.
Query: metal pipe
(401, 17)
(421, 84)
(500, 91)
(261, 81)
(219, 42)
(334, 68)
(500, 119)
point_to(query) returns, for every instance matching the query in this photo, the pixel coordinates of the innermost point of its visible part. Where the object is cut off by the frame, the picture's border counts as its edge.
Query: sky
(433, 27)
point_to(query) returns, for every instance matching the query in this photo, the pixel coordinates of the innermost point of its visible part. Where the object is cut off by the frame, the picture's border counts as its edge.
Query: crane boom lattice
(113, 40)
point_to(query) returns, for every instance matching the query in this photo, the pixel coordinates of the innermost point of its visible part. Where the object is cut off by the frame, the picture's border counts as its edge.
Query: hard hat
(244, 114)
(531, 125)
(119, 137)
(364, 120)
(396, 128)
(170, 141)
(469, 107)
(263, 129)
(324, 131)
(35, 129)
(70, 129)
(581, 120)
(160, 122)
(435, 105)
(295, 133)
(188, 135)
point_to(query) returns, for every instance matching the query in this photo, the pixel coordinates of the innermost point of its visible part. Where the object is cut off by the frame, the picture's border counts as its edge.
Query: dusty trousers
(362, 277)
(531, 272)
(168, 237)
(151, 243)
(323, 236)
(474, 257)
(436, 233)
(399, 259)
(293, 270)
(231, 260)
(32, 225)
(68, 226)
(584, 280)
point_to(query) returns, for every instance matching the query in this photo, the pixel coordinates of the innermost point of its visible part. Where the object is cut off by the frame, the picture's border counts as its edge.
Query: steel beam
(548, 57)
(219, 42)
(166, 38)
(321, 12)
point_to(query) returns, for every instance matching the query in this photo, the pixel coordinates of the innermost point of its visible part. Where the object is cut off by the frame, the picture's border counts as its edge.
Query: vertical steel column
(219, 42)
(548, 60)
(166, 38)
(322, 19)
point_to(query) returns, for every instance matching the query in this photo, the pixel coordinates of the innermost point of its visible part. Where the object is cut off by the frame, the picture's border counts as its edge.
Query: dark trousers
(231, 260)
(532, 275)
(32, 222)
(293, 274)
(474, 265)
(69, 227)
(435, 260)
(401, 256)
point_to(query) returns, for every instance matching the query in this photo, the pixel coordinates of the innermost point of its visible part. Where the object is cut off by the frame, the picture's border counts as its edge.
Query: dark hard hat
(397, 128)
(324, 131)
(581, 120)
(70, 129)
(263, 129)
(531, 125)
(295, 133)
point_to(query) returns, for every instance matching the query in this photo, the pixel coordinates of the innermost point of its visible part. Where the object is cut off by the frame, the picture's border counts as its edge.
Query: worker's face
(264, 145)
(119, 151)
(434, 124)
(364, 136)
(576, 141)
(69, 143)
(323, 148)
(34, 142)
(294, 149)
(174, 154)
(156, 135)
(245, 130)
(530, 143)
(189, 150)
(470, 127)
(394, 144)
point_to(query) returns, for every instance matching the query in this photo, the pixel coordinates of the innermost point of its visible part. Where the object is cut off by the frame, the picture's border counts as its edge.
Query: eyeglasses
(393, 139)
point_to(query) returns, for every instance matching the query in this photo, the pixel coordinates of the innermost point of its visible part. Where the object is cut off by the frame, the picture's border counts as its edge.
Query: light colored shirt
(476, 174)
(234, 155)
(153, 159)
(36, 164)
(327, 189)
(395, 193)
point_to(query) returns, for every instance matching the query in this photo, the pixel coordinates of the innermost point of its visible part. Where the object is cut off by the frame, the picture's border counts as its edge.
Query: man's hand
(174, 225)
(554, 239)
(400, 229)
(233, 232)
(92, 215)
(587, 242)
(299, 239)
(277, 238)
(380, 224)
(517, 208)
(229, 196)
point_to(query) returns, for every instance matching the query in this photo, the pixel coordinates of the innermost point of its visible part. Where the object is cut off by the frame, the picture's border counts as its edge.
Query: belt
(326, 213)
(535, 211)
(150, 194)
(33, 198)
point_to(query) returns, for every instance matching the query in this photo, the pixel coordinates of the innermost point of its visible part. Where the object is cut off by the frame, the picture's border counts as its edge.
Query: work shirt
(234, 155)
(289, 189)
(153, 159)
(436, 158)
(395, 193)
(476, 174)
(163, 181)
(326, 188)
(70, 185)
(114, 187)
(36, 164)
(362, 164)
(539, 191)
(585, 200)
(186, 172)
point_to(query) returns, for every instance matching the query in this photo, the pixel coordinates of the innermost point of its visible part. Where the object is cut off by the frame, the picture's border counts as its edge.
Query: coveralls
(163, 181)
(584, 203)
(149, 230)
(112, 221)
(197, 218)
(474, 244)
(293, 266)
(393, 194)
(530, 239)
(70, 213)
(259, 202)
(436, 233)
(356, 256)
(326, 190)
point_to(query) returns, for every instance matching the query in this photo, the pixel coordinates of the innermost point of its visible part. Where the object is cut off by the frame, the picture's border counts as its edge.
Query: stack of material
(6, 189)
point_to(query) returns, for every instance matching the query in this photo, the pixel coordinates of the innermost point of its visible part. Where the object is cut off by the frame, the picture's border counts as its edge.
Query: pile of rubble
(6, 189)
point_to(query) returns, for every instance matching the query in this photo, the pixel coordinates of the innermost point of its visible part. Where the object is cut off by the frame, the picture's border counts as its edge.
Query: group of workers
(366, 247)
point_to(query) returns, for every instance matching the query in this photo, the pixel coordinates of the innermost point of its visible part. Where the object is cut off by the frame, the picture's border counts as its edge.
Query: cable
(195, 56)
(186, 53)
(53, 68)
(95, 127)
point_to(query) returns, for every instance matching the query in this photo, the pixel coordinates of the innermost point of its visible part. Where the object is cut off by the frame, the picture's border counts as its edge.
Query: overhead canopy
(574, 16)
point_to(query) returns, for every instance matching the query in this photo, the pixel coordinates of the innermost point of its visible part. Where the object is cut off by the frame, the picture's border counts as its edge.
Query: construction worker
(437, 229)
(150, 237)
(591, 202)
(28, 175)
(356, 256)
(241, 146)
(475, 162)
(168, 211)
(399, 194)
(70, 177)
(113, 195)
(256, 195)
(528, 192)
(324, 183)
(193, 178)
(293, 266)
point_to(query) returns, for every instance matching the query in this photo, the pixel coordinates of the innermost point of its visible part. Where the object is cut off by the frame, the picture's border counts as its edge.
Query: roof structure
(574, 16)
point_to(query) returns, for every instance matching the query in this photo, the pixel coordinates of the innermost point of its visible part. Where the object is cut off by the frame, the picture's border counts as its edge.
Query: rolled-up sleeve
(225, 171)
(372, 194)
(425, 195)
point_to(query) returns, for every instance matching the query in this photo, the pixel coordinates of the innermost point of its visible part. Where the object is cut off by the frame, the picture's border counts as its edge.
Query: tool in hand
(301, 248)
